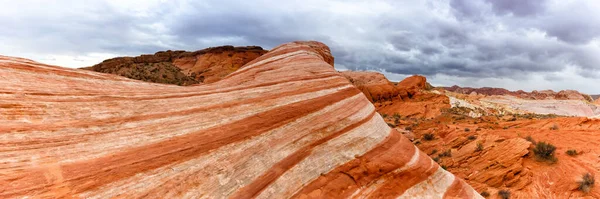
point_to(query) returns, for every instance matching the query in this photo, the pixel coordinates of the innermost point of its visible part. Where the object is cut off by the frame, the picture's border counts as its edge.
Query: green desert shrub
(434, 151)
(530, 139)
(586, 183)
(544, 151)
(447, 153)
(479, 147)
(485, 194)
(572, 152)
(504, 194)
(428, 136)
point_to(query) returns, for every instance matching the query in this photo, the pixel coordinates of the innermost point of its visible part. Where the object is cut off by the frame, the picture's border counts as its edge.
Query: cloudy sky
(515, 44)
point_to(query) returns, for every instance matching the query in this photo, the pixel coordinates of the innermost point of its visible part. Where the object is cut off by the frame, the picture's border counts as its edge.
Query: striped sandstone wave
(285, 125)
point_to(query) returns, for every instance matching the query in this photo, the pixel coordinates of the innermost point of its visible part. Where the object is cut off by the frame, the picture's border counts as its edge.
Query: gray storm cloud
(545, 44)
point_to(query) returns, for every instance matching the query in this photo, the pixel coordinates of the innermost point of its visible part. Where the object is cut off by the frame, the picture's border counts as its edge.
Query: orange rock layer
(494, 154)
(181, 67)
(406, 98)
(284, 125)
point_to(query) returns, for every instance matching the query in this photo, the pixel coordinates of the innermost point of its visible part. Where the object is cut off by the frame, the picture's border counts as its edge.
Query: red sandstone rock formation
(536, 95)
(180, 67)
(412, 85)
(284, 125)
(374, 85)
(493, 154)
(483, 90)
(407, 98)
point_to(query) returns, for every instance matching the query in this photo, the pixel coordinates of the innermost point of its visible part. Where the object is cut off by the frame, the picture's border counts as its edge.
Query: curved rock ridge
(181, 67)
(286, 125)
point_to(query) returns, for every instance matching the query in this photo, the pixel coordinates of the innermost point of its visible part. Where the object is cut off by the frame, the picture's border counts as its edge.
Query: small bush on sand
(554, 127)
(586, 183)
(572, 152)
(504, 194)
(408, 128)
(447, 153)
(467, 129)
(530, 139)
(544, 151)
(485, 194)
(472, 137)
(479, 147)
(434, 151)
(384, 115)
(428, 136)
(397, 116)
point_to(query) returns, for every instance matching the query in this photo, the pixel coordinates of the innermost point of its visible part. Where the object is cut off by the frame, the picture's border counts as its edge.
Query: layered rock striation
(286, 125)
(533, 95)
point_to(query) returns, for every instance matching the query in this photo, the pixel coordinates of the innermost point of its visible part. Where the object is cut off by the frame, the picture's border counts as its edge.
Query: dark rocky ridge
(160, 67)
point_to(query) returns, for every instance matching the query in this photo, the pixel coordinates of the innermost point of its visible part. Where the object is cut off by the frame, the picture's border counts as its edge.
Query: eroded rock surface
(284, 125)
(494, 152)
(181, 67)
(375, 86)
(410, 97)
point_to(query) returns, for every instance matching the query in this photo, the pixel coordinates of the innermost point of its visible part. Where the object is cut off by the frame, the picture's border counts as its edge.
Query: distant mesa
(535, 95)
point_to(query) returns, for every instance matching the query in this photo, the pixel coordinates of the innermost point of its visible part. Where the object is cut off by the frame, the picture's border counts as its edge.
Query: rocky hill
(181, 67)
(410, 97)
(286, 125)
(535, 95)
(496, 100)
